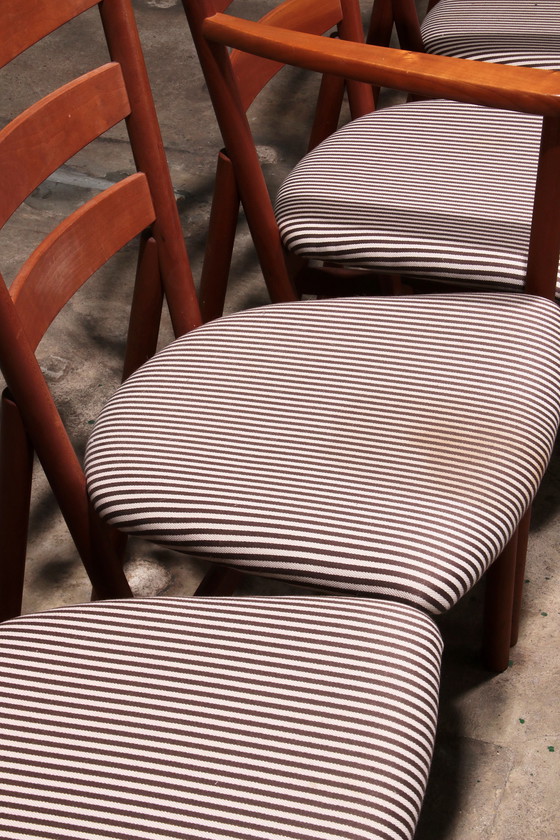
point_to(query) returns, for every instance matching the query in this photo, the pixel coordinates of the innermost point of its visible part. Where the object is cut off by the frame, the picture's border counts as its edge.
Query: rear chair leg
(522, 541)
(498, 608)
(16, 470)
(219, 580)
(221, 237)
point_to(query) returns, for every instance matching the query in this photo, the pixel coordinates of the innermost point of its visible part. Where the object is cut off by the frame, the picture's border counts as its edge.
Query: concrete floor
(496, 767)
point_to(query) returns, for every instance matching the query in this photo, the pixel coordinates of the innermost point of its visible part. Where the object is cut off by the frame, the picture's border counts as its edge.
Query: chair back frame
(32, 147)
(234, 80)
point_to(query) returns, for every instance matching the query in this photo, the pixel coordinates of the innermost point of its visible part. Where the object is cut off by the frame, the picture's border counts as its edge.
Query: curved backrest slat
(314, 17)
(76, 249)
(47, 134)
(24, 22)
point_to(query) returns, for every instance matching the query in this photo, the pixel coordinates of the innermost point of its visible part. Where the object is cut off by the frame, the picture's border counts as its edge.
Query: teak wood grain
(76, 249)
(26, 22)
(517, 88)
(47, 134)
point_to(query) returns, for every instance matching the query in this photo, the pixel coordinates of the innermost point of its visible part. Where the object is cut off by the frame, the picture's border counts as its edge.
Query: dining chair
(383, 446)
(521, 32)
(32, 146)
(209, 718)
(379, 446)
(429, 190)
(433, 177)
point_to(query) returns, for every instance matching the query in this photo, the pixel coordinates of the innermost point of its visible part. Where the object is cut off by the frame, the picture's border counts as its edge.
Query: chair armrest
(522, 89)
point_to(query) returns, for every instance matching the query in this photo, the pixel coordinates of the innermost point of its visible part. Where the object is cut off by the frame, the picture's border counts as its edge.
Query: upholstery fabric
(217, 718)
(383, 446)
(437, 189)
(523, 32)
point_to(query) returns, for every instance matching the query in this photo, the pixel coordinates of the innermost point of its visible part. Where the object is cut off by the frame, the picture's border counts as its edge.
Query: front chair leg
(522, 541)
(16, 470)
(222, 228)
(498, 607)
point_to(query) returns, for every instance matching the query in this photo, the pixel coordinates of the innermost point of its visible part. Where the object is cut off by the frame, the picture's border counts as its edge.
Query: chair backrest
(235, 79)
(32, 147)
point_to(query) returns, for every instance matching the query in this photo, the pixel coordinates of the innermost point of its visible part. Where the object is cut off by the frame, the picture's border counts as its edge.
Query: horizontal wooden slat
(76, 249)
(500, 86)
(24, 22)
(48, 133)
(312, 16)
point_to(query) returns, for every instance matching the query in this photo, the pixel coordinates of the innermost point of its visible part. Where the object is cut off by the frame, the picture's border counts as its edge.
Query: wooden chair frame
(420, 75)
(235, 184)
(33, 146)
(497, 86)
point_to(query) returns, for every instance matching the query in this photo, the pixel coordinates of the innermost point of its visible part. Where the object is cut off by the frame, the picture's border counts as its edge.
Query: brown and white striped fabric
(436, 189)
(524, 32)
(382, 446)
(207, 719)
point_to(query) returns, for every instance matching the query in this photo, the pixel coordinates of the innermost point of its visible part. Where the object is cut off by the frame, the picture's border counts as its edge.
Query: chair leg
(143, 329)
(380, 23)
(145, 312)
(221, 237)
(380, 29)
(329, 106)
(219, 580)
(16, 469)
(107, 546)
(498, 606)
(327, 110)
(522, 541)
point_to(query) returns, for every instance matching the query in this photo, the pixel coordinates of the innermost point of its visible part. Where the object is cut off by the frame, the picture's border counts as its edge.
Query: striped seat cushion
(217, 718)
(437, 189)
(384, 446)
(525, 32)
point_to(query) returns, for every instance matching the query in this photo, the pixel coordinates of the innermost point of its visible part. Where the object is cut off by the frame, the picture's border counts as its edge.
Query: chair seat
(212, 718)
(438, 189)
(521, 32)
(386, 446)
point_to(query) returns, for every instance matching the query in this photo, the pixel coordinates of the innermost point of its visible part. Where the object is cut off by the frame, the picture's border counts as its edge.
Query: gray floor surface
(496, 766)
